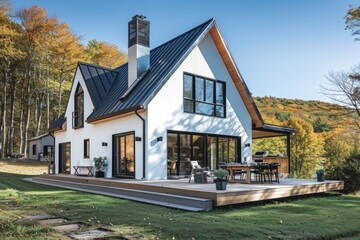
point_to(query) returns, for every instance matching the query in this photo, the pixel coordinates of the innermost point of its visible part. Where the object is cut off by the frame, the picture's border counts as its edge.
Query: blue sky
(282, 48)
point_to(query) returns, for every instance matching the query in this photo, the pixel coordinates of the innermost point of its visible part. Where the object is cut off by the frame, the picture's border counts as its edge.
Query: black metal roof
(98, 81)
(163, 62)
(58, 123)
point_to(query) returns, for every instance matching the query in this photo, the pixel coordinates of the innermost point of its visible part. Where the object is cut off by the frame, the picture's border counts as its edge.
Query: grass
(327, 216)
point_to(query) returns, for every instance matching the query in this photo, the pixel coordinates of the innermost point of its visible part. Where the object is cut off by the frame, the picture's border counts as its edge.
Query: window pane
(223, 150)
(211, 152)
(204, 108)
(198, 149)
(220, 111)
(199, 85)
(232, 150)
(172, 149)
(185, 154)
(129, 151)
(220, 93)
(209, 91)
(188, 106)
(188, 86)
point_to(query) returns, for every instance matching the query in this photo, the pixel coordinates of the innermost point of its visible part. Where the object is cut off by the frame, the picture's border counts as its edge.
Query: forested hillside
(325, 133)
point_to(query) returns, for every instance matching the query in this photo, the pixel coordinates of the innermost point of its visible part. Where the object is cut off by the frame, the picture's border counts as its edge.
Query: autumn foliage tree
(38, 58)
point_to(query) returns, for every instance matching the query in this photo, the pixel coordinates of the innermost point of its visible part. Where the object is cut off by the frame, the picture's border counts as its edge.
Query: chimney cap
(142, 17)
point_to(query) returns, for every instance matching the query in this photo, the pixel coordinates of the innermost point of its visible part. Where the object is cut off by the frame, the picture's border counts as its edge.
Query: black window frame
(87, 148)
(78, 113)
(193, 100)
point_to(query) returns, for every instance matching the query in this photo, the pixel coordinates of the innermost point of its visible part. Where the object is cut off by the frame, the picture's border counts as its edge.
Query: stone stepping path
(40, 216)
(58, 223)
(91, 234)
(53, 221)
(70, 227)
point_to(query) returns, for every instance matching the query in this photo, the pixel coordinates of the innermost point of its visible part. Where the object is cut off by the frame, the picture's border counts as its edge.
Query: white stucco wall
(36, 142)
(165, 111)
(97, 133)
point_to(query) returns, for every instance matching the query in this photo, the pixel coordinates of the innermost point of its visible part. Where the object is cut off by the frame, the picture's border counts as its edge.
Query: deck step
(162, 199)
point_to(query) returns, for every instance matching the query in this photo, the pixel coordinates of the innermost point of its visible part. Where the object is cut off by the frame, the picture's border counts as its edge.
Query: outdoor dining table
(236, 167)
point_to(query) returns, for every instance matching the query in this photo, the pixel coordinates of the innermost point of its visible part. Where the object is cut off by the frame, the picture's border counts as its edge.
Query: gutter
(143, 137)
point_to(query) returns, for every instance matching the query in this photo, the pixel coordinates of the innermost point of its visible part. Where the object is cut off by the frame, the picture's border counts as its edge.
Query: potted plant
(320, 175)
(221, 178)
(100, 166)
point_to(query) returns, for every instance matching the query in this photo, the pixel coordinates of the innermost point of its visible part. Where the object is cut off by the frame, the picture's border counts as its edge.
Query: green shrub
(349, 172)
(283, 116)
(321, 126)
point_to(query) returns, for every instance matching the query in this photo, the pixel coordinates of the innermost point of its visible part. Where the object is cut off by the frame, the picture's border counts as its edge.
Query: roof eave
(113, 114)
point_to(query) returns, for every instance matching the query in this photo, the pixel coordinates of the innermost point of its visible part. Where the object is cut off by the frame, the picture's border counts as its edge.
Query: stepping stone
(53, 221)
(39, 216)
(96, 233)
(69, 227)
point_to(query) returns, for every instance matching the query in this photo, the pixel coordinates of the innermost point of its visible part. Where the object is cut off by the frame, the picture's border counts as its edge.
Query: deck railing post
(288, 152)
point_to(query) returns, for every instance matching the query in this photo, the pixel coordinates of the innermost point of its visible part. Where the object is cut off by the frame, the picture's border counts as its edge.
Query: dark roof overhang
(269, 130)
(113, 114)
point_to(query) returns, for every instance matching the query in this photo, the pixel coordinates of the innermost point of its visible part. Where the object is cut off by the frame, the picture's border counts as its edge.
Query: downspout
(143, 140)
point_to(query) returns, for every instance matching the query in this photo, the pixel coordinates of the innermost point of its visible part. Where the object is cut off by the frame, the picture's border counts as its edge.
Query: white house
(183, 100)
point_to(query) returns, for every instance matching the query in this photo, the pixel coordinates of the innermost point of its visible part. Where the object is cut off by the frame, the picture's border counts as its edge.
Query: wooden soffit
(235, 75)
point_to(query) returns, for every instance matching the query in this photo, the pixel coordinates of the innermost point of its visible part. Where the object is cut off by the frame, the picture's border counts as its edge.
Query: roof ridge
(97, 66)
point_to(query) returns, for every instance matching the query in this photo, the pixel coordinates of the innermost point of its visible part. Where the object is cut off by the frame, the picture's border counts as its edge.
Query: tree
(352, 20)
(306, 148)
(321, 126)
(104, 54)
(344, 88)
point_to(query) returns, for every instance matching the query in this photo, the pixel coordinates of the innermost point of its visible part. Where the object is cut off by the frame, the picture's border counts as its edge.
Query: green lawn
(329, 216)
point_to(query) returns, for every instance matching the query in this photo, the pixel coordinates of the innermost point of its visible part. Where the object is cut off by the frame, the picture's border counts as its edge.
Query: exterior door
(64, 158)
(124, 155)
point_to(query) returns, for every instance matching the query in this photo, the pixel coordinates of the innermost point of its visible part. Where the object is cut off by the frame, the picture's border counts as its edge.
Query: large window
(204, 96)
(208, 150)
(87, 148)
(78, 114)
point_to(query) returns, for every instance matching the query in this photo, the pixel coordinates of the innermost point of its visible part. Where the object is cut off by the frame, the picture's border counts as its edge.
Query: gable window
(87, 148)
(78, 114)
(204, 96)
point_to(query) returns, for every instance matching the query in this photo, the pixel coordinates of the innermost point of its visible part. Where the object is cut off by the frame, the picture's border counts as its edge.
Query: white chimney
(139, 48)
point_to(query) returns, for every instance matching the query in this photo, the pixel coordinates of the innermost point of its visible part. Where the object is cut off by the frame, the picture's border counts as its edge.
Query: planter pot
(221, 184)
(99, 174)
(320, 177)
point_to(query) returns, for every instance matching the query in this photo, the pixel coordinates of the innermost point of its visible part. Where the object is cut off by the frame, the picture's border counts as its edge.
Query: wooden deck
(236, 192)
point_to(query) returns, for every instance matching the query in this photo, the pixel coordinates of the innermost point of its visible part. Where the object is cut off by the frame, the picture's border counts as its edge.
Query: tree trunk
(3, 115)
(27, 111)
(60, 95)
(21, 117)
(12, 111)
(47, 99)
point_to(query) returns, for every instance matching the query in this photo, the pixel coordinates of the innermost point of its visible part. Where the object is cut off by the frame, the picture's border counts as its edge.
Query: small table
(89, 168)
(238, 167)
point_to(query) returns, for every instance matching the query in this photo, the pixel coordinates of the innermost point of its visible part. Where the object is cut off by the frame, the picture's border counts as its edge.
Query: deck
(236, 192)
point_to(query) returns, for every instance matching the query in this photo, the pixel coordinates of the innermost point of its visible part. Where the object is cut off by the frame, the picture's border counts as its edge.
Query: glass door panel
(124, 155)
(198, 149)
(232, 150)
(211, 152)
(223, 149)
(185, 154)
(172, 150)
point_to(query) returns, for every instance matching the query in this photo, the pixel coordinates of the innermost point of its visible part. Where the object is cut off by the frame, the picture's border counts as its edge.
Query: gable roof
(40, 136)
(98, 81)
(163, 62)
(112, 97)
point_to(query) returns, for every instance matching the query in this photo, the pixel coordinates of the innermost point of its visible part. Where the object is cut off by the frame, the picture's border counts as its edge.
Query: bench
(89, 168)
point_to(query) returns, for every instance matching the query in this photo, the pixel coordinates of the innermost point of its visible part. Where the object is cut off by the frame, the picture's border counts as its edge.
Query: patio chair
(261, 172)
(205, 171)
(274, 172)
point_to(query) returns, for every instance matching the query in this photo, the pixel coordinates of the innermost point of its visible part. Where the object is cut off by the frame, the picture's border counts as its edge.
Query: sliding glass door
(207, 150)
(124, 155)
(65, 158)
